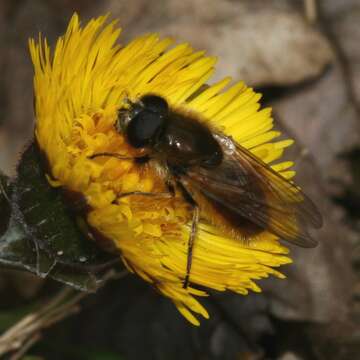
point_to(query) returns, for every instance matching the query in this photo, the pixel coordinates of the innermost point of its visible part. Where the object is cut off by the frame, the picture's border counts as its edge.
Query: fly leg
(164, 195)
(193, 232)
(138, 159)
(194, 225)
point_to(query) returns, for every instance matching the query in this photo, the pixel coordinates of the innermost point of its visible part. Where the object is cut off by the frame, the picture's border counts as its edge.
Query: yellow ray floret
(79, 88)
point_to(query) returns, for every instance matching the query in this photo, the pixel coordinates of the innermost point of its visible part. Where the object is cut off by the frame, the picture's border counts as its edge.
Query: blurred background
(304, 56)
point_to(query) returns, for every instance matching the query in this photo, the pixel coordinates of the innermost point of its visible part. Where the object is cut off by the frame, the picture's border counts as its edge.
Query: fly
(224, 183)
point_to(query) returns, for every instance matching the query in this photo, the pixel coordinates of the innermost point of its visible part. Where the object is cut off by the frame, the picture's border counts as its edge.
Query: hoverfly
(225, 184)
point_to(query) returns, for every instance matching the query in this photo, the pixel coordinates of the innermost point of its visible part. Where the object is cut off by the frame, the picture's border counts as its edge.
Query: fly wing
(247, 188)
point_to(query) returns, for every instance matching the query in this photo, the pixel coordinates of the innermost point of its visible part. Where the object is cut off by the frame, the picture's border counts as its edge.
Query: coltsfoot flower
(80, 87)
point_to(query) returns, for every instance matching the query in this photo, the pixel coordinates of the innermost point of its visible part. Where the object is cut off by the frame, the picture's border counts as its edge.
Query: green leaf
(18, 251)
(51, 223)
(5, 208)
(39, 234)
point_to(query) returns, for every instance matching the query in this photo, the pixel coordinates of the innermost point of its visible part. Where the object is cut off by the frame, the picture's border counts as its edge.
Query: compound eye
(155, 103)
(144, 128)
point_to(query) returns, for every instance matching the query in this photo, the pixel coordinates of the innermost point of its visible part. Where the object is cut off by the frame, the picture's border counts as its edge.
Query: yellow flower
(79, 88)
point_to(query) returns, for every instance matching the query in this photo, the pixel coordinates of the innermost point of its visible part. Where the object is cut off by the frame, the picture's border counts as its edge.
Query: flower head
(80, 87)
